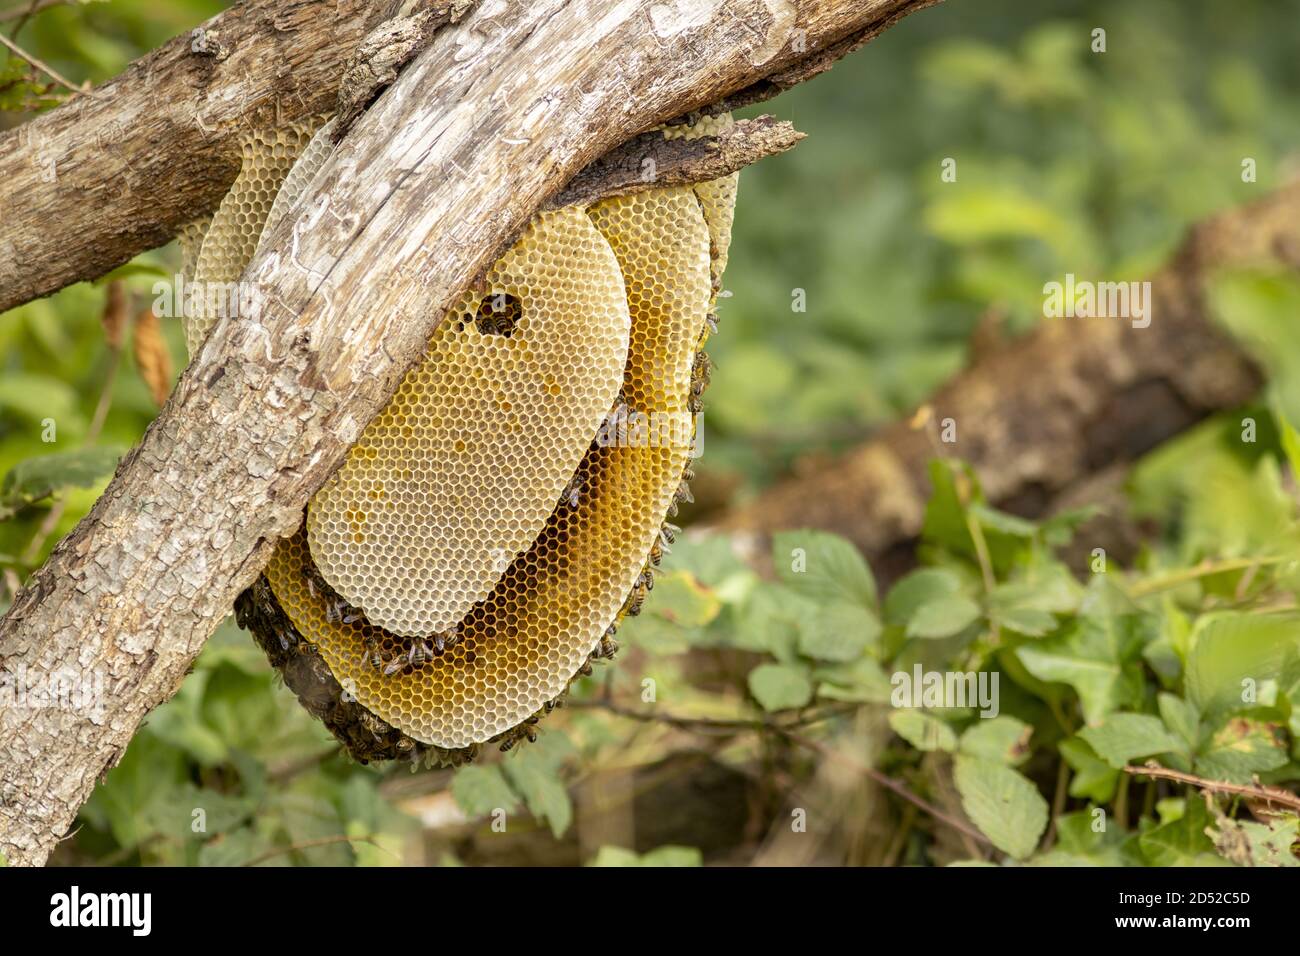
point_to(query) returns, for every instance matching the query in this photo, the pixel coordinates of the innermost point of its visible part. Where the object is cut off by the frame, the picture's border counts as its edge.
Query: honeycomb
(231, 238)
(309, 162)
(459, 473)
(539, 434)
(717, 196)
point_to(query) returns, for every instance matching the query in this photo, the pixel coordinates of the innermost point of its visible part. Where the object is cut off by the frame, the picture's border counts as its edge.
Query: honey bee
(572, 492)
(634, 602)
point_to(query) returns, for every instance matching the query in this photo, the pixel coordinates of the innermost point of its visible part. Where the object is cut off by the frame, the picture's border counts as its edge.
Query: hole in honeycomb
(456, 476)
(498, 314)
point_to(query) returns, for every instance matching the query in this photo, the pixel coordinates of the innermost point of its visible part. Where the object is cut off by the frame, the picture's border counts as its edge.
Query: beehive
(495, 522)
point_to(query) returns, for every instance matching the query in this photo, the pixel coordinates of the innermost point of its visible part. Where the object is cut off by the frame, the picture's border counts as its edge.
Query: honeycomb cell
(459, 473)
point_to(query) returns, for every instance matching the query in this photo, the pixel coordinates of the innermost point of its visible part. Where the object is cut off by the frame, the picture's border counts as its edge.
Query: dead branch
(1064, 408)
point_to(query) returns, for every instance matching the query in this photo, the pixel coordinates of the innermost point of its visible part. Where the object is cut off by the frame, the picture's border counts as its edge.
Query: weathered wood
(85, 187)
(649, 161)
(487, 123)
(1057, 410)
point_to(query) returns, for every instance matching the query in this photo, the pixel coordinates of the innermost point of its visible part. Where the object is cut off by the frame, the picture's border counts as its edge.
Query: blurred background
(767, 739)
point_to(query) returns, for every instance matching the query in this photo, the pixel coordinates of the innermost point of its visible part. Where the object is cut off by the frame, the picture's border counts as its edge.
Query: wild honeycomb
(459, 473)
(310, 160)
(231, 238)
(717, 196)
(423, 488)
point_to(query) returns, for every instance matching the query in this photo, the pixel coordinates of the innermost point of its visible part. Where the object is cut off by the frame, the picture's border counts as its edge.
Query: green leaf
(838, 632)
(237, 707)
(1248, 843)
(1006, 807)
(660, 856)
(1241, 747)
(236, 848)
(1233, 654)
(1181, 842)
(681, 599)
(1003, 739)
(955, 485)
(1028, 621)
(1093, 779)
(36, 478)
(833, 569)
(1123, 737)
(917, 589)
(479, 790)
(1029, 604)
(534, 772)
(1079, 843)
(923, 731)
(992, 519)
(861, 680)
(1098, 656)
(943, 618)
(309, 818)
(1181, 718)
(778, 687)
(37, 397)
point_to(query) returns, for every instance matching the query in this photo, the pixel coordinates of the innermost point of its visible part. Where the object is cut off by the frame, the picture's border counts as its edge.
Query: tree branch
(1055, 410)
(487, 123)
(102, 178)
(649, 161)
(1271, 795)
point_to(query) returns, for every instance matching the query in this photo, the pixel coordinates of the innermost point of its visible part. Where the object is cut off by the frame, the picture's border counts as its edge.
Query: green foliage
(233, 772)
(661, 856)
(1066, 162)
(33, 479)
(1194, 667)
(1002, 803)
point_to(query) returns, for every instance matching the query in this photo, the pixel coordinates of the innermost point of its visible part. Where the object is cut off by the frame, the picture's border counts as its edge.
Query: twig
(44, 67)
(24, 10)
(650, 161)
(897, 786)
(1159, 583)
(1058, 802)
(1257, 790)
(711, 724)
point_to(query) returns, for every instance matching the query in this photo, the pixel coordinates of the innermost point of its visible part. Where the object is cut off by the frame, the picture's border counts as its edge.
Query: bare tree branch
(104, 177)
(650, 161)
(1066, 406)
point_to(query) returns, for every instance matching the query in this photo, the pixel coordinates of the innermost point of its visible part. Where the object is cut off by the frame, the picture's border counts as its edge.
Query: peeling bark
(487, 123)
